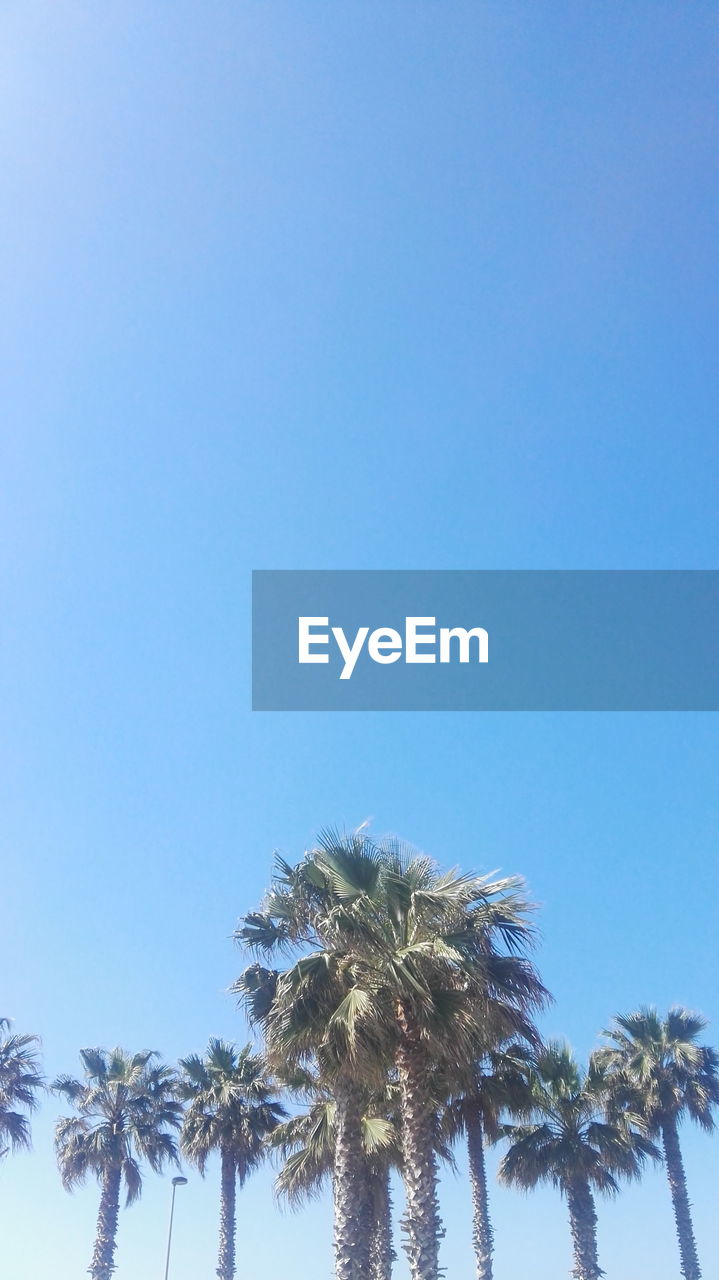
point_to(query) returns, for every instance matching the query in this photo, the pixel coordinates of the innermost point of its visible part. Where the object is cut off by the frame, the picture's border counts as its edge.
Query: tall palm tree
(126, 1111)
(231, 1110)
(496, 1085)
(21, 1081)
(568, 1144)
(655, 1068)
(436, 954)
(306, 1013)
(406, 961)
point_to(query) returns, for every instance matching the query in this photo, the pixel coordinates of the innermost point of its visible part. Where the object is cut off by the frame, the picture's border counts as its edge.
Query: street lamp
(176, 1182)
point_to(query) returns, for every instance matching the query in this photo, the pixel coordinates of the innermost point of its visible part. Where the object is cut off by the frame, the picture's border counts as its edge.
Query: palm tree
(496, 1084)
(306, 1013)
(126, 1109)
(231, 1110)
(307, 1143)
(20, 1082)
(437, 956)
(405, 961)
(568, 1144)
(656, 1069)
(304, 1029)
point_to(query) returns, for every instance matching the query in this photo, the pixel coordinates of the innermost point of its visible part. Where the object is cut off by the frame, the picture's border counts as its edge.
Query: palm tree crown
(657, 1068)
(20, 1083)
(126, 1112)
(568, 1137)
(231, 1105)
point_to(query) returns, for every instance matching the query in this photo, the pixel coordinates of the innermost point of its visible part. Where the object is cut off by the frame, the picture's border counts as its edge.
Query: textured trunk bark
(422, 1222)
(680, 1200)
(103, 1254)
(352, 1226)
(482, 1233)
(228, 1193)
(583, 1222)
(382, 1254)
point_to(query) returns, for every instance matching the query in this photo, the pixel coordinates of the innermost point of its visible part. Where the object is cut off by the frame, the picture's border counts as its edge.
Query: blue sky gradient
(358, 285)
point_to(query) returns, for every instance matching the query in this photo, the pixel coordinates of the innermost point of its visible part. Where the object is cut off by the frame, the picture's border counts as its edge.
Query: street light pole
(176, 1182)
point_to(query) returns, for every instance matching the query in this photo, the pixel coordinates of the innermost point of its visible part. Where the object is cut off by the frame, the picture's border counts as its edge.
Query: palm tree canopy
(655, 1067)
(231, 1105)
(567, 1139)
(376, 923)
(126, 1111)
(21, 1081)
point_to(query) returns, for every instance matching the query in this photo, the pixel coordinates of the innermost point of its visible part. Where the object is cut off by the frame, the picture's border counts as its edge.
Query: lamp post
(176, 1182)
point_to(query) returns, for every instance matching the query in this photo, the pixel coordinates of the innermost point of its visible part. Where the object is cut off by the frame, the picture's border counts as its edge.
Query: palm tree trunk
(103, 1254)
(482, 1233)
(422, 1222)
(382, 1254)
(352, 1231)
(228, 1193)
(680, 1199)
(583, 1222)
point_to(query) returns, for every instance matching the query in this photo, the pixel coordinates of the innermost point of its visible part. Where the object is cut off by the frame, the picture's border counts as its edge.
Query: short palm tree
(21, 1081)
(230, 1110)
(496, 1085)
(126, 1112)
(307, 1142)
(303, 1014)
(656, 1068)
(568, 1144)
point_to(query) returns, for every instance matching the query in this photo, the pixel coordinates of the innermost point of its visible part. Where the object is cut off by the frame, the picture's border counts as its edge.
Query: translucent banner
(485, 640)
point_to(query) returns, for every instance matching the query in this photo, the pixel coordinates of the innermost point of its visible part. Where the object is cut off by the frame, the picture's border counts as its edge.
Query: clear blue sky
(339, 285)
